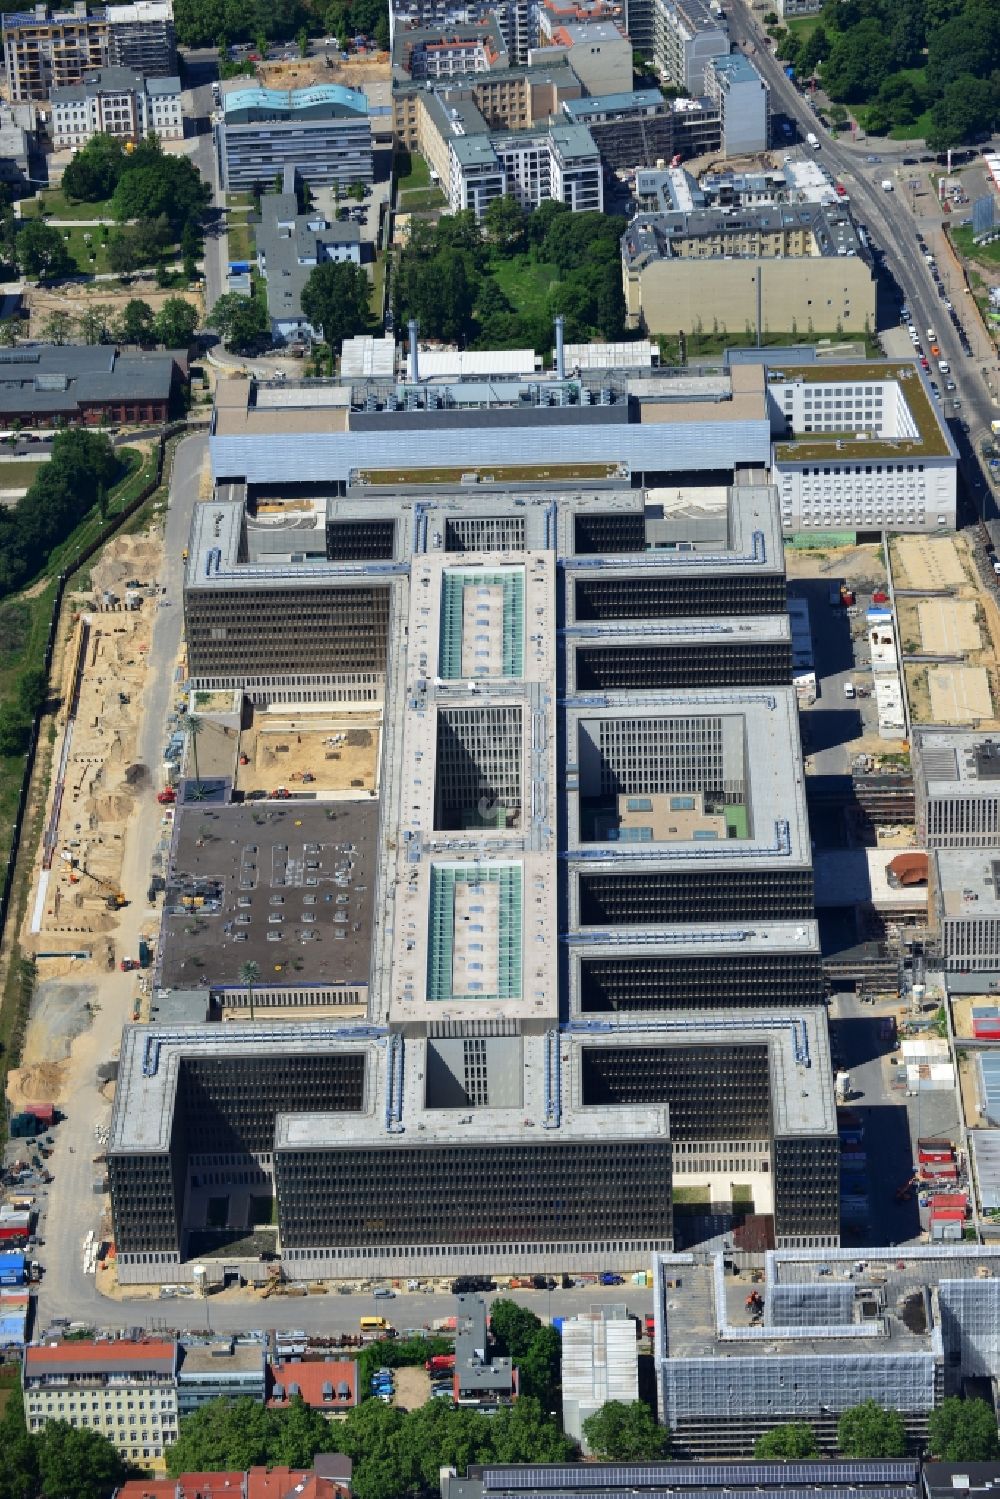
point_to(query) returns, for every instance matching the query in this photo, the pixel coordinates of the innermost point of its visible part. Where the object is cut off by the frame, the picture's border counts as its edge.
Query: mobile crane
(115, 899)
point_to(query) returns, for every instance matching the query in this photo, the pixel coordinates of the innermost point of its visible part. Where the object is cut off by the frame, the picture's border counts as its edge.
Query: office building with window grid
(594, 969)
(905, 1327)
(957, 785)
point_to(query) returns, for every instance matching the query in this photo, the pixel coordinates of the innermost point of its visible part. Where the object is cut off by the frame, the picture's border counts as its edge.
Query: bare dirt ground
(356, 72)
(339, 749)
(949, 626)
(43, 301)
(861, 564)
(959, 694)
(927, 562)
(413, 1388)
(103, 778)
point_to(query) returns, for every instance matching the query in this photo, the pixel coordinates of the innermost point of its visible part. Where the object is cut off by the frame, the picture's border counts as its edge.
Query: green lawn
(915, 132)
(84, 243)
(527, 284)
(985, 254)
(378, 286)
(411, 170)
(239, 200)
(802, 27)
(59, 207)
(421, 200)
(17, 475)
(241, 240)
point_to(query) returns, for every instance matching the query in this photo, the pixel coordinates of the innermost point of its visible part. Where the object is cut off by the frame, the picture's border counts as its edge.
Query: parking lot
(834, 727)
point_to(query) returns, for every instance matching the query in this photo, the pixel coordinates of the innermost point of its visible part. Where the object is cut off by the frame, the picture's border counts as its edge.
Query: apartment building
(742, 98)
(126, 1390)
(641, 126)
(516, 18)
(118, 102)
(141, 37)
(476, 164)
(957, 780)
(323, 132)
(429, 52)
(552, 14)
(686, 35)
(513, 98)
(598, 52)
(46, 49)
(777, 266)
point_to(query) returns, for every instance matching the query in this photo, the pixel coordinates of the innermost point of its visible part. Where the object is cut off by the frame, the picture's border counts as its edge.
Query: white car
(932, 335)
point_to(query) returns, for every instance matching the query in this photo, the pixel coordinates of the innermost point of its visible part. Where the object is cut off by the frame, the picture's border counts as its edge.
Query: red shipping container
(949, 1200)
(938, 1173)
(947, 1215)
(879, 597)
(44, 1111)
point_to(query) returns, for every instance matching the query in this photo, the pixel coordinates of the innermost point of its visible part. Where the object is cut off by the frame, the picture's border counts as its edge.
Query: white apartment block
(117, 102)
(865, 451)
(686, 35)
(125, 1390)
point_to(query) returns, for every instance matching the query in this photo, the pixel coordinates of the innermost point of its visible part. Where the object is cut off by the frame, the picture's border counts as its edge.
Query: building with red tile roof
(328, 1478)
(324, 1384)
(124, 1388)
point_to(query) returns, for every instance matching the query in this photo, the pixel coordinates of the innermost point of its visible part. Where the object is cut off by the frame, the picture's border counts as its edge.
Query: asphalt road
(892, 227)
(321, 1315)
(72, 1207)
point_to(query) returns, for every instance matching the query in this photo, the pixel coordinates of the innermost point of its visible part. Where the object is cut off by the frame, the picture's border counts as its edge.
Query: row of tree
(210, 23)
(173, 326)
(902, 57)
(77, 478)
(959, 1431)
(448, 275)
(58, 1461)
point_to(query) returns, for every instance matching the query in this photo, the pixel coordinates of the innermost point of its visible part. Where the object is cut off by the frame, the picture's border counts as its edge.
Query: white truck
(812, 140)
(887, 185)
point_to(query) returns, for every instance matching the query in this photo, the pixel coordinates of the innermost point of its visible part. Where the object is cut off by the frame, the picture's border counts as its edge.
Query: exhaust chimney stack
(414, 328)
(560, 355)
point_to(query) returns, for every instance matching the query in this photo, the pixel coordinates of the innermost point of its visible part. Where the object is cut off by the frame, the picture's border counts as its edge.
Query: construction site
(951, 624)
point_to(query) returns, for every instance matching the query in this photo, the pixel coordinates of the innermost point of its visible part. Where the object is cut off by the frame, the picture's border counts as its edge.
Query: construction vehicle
(754, 1301)
(167, 796)
(115, 899)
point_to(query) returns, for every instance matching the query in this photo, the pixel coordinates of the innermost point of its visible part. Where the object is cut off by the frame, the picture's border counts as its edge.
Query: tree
(513, 1328)
(175, 323)
(58, 328)
(968, 106)
(222, 1434)
(795, 1441)
(626, 1433)
(249, 974)
(302, 42)
(191, 244)
(19, 1472)
(857, 63)
(541, 1366)
(95, 323)
(504, 222)
(136, 323)
(963, 1431)
(41, 251)
(868, 1432)
(193, 726)
(242, 321)
(77, 1462)
(92, 175)
(125, 252)
(153, 184)
(32, 690)
(13, 731)
(335, 300)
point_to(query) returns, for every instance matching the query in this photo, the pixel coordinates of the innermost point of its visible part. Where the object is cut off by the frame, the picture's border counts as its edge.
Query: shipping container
(986, 1022)
(935, 1150)
(46, 1112)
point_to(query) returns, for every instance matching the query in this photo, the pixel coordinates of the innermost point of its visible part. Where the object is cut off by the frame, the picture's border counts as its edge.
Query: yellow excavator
(114, 897)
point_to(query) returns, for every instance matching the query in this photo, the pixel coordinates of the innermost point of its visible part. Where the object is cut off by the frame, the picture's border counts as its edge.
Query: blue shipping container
(12, 1268)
